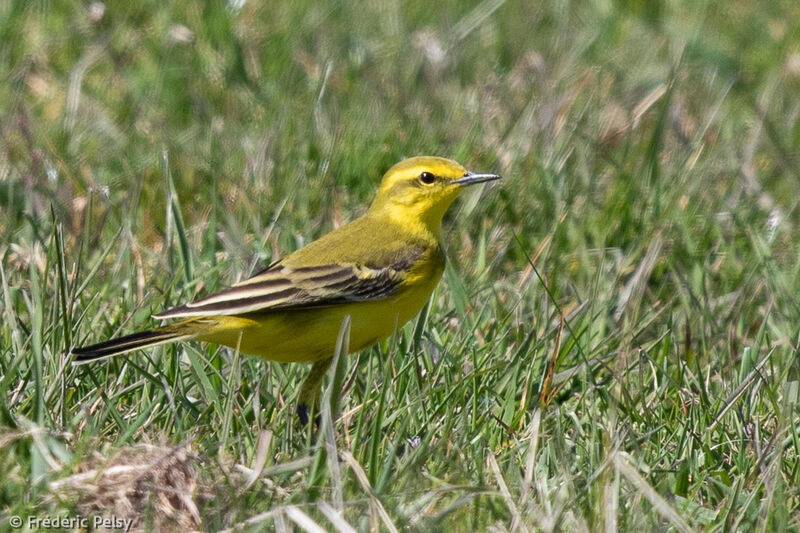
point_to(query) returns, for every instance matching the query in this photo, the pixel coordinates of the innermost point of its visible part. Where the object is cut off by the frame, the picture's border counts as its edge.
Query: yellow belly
(310, 334)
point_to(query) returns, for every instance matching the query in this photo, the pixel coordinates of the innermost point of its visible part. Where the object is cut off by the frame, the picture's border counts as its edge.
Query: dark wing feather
(283, 287)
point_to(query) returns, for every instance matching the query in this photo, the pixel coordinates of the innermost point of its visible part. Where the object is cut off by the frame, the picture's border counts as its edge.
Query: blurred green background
(151, 152)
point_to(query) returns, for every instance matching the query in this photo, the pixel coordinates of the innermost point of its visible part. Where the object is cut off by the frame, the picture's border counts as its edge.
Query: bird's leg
(308, 399)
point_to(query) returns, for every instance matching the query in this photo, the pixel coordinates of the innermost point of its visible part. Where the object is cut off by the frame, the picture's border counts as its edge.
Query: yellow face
(422, 188)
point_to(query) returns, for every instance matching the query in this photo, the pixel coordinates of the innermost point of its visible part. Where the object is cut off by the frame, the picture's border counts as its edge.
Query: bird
(379, 270)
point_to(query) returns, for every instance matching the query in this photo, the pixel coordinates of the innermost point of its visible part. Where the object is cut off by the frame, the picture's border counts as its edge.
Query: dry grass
(155, 486)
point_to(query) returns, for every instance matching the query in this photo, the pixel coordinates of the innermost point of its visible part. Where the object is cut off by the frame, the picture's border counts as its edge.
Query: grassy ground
(614, 343)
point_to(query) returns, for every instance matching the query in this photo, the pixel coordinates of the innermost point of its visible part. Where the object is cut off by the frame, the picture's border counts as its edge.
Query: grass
(614, 343)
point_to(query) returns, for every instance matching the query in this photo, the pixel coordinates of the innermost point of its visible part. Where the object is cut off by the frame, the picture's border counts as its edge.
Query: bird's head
(419, 190)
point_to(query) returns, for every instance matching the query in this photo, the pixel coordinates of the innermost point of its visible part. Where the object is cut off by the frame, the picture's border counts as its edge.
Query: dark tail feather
(128, 343)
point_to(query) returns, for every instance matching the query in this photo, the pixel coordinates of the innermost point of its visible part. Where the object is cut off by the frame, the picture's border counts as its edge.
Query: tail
(129, 343)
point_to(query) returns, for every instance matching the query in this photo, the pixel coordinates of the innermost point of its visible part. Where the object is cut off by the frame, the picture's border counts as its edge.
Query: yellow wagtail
(379, 269)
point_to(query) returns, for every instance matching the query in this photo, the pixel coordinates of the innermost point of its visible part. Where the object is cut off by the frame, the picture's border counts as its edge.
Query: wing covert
(283, 287)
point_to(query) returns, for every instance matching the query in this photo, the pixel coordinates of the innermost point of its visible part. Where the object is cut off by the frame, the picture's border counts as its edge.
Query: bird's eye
(427, 178)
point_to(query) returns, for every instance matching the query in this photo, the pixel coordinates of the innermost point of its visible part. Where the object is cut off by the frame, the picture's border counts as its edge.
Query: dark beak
(471, 178)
